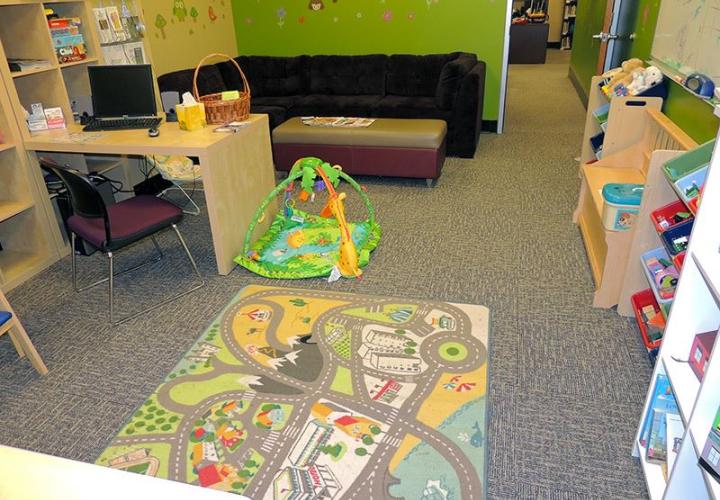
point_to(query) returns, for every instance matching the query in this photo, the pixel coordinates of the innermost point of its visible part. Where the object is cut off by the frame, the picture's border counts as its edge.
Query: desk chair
(111, 228)
(179, 170)
(10, 324)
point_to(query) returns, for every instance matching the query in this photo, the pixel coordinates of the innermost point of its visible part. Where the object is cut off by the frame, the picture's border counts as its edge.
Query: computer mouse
(153, 132)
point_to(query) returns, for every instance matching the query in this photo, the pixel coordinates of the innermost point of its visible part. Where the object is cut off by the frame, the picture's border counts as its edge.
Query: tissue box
(191, 116)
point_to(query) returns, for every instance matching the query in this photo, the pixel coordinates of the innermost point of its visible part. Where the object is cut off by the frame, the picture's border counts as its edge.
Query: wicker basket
(218, 111)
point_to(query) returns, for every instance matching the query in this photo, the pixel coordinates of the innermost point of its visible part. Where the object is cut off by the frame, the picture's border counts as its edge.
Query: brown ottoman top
(384, 132)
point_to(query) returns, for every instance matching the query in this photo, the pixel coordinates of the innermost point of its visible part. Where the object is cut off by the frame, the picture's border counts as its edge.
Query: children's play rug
(300, 394)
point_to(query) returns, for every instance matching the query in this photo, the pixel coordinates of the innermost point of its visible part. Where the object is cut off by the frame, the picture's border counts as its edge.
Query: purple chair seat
(130, 220)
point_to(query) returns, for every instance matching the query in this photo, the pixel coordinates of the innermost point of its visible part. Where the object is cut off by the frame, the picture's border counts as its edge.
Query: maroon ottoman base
(387, 148)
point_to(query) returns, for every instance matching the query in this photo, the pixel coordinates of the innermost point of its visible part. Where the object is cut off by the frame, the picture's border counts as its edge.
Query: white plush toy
(648, 78)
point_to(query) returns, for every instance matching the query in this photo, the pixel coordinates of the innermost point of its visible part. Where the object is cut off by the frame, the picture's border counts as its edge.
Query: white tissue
(188, 99)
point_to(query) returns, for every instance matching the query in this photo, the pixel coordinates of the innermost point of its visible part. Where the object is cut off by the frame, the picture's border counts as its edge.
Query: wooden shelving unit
(568, 24)
(696, 309)
(636, 130)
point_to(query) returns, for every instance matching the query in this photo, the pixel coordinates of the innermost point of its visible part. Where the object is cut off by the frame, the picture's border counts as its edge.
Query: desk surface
(171, 140)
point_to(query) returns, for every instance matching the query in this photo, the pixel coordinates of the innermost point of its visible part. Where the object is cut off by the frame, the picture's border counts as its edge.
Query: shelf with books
(33, 71)
(67, 32)
(89, 60)
(654, 476)
(24, 33)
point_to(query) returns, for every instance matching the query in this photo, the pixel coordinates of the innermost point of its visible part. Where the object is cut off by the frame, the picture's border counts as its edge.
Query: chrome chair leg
(111, 287)
(187, 252)
(196, 208)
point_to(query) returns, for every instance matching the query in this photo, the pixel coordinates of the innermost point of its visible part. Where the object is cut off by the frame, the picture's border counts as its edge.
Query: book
(36, 118)
(657, 440)
(710, 456)
(116, 24)
(54, 118)
(675, 431)
(662, 396)
(105, 31)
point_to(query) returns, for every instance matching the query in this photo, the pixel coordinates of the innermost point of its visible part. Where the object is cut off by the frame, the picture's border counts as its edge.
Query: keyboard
(121, 124)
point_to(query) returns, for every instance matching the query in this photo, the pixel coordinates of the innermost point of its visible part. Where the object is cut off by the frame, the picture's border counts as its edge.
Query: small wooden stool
(9, 323)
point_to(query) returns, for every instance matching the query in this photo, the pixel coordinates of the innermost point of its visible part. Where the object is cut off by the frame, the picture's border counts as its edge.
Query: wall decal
(316, 5)
(359, 15)
(281, 13)
(301, 19)
(411, 16)
(248, 20)
(211, 14)
(179, 10)
(387, 16)
(160, 24)
(194, 14)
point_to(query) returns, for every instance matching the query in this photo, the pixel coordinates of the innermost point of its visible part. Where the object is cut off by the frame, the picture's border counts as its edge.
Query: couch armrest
(451, 78)
(468, 110)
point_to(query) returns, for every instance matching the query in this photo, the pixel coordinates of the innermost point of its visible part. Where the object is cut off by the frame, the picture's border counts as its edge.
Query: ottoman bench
(389, 147)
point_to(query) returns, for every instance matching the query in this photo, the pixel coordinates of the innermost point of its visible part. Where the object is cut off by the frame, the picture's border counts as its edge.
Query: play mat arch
(299, 244)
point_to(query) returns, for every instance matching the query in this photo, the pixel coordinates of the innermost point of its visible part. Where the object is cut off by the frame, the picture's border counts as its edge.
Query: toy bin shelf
(679, 260)
(639, 301)
(664, 217)
(688, 187)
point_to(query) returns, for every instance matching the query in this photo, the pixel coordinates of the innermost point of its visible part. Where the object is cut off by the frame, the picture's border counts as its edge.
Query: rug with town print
(306, 394)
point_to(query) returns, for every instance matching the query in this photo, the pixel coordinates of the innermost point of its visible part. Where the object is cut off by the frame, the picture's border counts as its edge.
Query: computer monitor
(122, 90)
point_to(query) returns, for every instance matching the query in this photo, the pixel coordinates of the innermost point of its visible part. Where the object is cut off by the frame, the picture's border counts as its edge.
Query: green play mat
(303, 245)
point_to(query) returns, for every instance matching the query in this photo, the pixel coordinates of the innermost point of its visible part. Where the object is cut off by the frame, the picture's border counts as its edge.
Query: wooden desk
(237, 169)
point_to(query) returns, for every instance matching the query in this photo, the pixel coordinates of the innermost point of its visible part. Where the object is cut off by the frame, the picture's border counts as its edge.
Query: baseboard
(581, 92)
(554, 45)
(490, 126)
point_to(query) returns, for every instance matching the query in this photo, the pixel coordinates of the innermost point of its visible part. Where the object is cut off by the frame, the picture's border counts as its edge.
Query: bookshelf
(25, 234)
(568, 24)
(696, 309)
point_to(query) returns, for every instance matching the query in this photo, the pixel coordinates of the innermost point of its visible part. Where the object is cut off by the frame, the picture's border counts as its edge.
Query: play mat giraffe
(309, 394)
(302, 245)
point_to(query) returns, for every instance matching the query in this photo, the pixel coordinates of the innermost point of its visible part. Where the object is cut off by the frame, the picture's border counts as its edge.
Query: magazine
(336, 121)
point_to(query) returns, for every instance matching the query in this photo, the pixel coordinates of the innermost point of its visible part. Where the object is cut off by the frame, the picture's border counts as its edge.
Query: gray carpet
(567, 381)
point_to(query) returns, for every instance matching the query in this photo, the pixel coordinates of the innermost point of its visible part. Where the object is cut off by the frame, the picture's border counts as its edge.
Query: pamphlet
(336, 121)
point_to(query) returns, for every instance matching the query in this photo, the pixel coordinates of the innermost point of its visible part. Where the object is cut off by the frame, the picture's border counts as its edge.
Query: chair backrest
(85, 198)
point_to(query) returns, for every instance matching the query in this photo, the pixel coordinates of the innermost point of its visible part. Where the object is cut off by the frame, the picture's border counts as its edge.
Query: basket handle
(196, 93)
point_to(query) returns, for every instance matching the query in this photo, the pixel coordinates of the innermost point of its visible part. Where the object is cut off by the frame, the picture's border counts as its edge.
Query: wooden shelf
(17, 266)
(598, 176)
(89, 60)
(20, 74)
(11, 208)
(7, 146)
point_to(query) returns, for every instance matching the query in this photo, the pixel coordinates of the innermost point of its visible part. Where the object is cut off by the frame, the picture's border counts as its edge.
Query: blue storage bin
(681, 230)
(687, 187)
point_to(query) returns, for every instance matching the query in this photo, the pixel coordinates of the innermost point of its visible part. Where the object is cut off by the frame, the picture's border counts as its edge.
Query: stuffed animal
(621, 76)
(649, 77)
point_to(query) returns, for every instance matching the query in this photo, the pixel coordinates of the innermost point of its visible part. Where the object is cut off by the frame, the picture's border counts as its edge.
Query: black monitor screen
(122, 90)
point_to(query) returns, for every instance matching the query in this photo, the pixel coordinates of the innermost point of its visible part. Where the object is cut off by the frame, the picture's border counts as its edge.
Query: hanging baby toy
(299, 244)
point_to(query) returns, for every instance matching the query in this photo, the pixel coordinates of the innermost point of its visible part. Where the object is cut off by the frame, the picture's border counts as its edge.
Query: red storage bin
(679, 260)
(667, 213)
(640, 300)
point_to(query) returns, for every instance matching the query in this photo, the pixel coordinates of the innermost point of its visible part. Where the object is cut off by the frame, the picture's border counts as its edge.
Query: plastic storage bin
(662, 281)
(679, 260)
(596, 143)
(621, 204)
(601, 113)
(638, 301)
(673, 238)
(664, 217)
(688, 187)
(689, 161)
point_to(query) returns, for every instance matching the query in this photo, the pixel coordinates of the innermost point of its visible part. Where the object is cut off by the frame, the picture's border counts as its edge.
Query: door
(602, 37)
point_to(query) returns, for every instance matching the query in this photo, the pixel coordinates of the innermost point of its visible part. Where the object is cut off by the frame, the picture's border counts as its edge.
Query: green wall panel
(586, 49)
(292, 27)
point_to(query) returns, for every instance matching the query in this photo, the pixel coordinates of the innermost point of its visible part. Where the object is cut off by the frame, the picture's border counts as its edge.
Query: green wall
(690, 113)
(586, 49)
(291, 27)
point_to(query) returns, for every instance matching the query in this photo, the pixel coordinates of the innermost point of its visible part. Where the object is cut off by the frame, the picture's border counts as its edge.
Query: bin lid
(623, 194)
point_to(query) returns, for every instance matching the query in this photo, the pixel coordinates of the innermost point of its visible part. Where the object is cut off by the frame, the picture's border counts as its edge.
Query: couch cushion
(450, 79)
(334, 105)
(348, 75)
(415, 75)
(276, 114)
(396, 106)
(286, 101)
(210, 81)
(268, 75)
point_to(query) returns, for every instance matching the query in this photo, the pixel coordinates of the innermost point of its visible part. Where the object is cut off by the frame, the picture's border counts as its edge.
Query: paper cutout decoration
(160, 24)
(316, 5)
(194, 14)
(211, 14)
(179, 10)
(387, 16)
(281, 13)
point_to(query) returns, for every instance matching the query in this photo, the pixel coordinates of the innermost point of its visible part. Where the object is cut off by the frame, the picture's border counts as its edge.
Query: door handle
(606, 37)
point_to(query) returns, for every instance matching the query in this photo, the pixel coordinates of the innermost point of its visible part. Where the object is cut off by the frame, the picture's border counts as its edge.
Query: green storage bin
(689, 161)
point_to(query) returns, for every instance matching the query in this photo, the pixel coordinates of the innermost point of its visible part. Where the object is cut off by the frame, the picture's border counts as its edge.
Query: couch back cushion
(210, 81)
(411, 75)
(268, 76)
(348, 75)
(451, 77)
